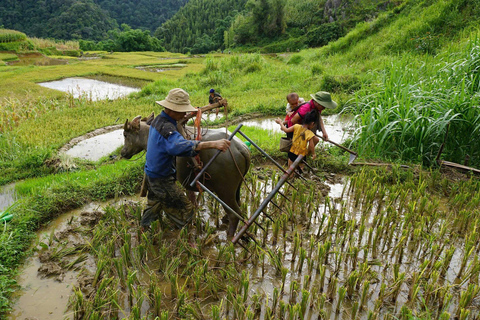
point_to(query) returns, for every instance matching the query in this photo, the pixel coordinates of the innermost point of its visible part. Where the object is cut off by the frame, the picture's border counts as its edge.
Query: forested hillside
(59, 19)
(199, 26)
(141, 14)
(277, 25)
(83, 19)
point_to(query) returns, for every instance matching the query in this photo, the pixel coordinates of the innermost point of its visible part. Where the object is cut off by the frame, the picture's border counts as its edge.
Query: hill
(141, 14)
(83, 19)
(205, 25)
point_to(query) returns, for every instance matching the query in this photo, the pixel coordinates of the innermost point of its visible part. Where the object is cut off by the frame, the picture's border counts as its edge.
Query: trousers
(164, 195)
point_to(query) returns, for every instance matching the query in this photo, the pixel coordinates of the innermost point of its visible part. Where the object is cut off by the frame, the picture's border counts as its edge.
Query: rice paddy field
(389, 245)
(397, 240)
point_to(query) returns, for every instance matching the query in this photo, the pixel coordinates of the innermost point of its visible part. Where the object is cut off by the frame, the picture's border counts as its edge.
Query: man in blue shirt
(164, 144)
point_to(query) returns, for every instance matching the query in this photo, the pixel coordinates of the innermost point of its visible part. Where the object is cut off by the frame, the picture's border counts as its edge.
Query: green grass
(406, 117)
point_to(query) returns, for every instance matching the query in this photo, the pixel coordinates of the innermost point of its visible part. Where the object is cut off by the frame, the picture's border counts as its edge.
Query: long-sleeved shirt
(164, 144)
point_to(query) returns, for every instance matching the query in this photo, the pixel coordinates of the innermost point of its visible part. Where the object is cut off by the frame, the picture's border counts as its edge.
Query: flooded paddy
(98, 146)
(89, 88)
(49, 276)
(7, 196)
(162, 67)
(338, 127)
(37, 59)
(356, 247)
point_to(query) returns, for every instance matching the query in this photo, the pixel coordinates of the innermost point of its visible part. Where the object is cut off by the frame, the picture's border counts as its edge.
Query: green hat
(324, 99)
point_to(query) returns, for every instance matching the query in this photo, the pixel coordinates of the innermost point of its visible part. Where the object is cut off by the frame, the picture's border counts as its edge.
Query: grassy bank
(46, 198)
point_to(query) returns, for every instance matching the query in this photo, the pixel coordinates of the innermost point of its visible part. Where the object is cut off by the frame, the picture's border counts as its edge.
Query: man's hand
(222, 144)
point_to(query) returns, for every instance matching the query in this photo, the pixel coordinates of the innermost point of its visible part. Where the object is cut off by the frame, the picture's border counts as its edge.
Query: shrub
(316, 69)
(341, 83)
(11, 36)
(323, 34)
(295, 59)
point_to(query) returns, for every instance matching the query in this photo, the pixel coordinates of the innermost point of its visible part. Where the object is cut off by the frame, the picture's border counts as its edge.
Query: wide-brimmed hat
(177, 100)
(324, 99)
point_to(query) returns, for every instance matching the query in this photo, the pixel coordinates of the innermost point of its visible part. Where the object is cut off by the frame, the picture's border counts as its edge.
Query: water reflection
(97, 147)
(7, 196)
(89, 88)
(338, 127)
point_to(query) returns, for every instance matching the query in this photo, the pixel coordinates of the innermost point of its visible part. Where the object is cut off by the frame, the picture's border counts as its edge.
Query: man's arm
(322, 127)
(222, 144)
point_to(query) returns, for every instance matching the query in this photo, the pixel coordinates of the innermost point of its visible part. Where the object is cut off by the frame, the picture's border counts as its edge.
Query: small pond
(89, 88)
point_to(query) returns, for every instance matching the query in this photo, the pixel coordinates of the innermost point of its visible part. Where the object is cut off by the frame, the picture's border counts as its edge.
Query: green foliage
(199, 26)
(407, 116)
(289, 45)
(341, 83)
(127, 40)
(17, 46)
(57, 19)
(141, 14)
(11, 36)
(295, 59)
(323, 34)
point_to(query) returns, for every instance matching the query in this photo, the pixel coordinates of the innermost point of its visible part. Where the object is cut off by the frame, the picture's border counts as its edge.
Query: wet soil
(60, 262)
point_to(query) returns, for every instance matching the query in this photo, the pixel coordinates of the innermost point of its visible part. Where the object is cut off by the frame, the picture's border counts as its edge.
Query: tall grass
(406, 117)
(58, 44)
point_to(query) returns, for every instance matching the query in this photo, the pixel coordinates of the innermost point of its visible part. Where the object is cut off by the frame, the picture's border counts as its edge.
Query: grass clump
(408, 115)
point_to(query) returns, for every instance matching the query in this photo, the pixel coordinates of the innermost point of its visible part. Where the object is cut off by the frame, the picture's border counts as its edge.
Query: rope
(138, 158)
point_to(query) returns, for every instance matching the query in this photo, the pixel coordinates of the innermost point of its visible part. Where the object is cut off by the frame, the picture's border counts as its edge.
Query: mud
(48, 276)
(90, 89)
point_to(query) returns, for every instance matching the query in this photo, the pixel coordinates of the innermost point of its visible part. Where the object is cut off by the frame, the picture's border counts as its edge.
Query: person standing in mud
(164, 144)
(320, 101)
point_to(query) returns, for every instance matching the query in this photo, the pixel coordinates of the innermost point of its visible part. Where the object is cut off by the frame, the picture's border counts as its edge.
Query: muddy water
(37, 59)
(161, 68)
(47, 297)
(338, 127)
(7, 196)
(90, 89)
(98, 146)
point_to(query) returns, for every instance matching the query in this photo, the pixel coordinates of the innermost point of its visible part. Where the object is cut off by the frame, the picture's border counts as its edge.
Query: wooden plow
(269, 199)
